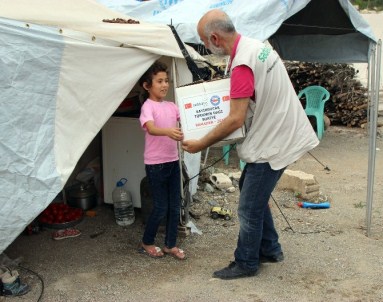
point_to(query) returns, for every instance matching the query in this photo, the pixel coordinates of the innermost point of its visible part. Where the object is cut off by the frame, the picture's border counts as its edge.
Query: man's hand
(235, 119)
(192, 145)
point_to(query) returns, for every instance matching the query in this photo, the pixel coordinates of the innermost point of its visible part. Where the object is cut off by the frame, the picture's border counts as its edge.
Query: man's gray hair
(224, 25)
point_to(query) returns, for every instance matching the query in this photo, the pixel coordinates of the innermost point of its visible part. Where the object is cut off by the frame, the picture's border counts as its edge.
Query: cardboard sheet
(203, 106)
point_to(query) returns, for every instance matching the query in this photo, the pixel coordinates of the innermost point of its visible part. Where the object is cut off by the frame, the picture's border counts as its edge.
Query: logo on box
(215, 100)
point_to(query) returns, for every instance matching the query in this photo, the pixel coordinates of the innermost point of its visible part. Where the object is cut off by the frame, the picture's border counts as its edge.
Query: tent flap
(57, 91)
(28, 179)
(322, 48)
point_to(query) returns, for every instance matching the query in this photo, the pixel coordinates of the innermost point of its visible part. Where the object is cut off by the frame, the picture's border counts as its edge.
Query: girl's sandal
(175, 252)
(151, 251)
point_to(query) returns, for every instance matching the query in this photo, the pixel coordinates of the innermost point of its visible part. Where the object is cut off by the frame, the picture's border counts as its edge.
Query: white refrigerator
(123, 156)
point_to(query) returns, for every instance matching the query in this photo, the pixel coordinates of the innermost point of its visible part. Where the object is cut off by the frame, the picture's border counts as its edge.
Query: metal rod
(206, 155)
(373, 109)
(183, 215)
(371, 76)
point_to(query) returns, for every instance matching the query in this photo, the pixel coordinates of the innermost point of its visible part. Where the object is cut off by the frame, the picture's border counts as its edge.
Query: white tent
(63, 73)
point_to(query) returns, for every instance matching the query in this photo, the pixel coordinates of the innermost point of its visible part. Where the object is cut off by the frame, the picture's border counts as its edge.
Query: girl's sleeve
(146, 114)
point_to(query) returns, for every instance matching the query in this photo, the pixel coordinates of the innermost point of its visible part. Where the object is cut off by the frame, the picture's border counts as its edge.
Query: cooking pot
(83, 197)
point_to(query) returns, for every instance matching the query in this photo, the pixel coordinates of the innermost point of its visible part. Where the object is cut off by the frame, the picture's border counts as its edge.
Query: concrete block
(221, 181)
(300, 182)
(184, 231)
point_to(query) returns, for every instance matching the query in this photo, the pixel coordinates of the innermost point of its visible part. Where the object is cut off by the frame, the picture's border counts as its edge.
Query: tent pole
(374, 78)
(371, 91)
(184, 215)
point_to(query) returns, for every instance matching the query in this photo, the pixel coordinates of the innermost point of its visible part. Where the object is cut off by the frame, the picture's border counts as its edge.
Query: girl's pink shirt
(164, 114)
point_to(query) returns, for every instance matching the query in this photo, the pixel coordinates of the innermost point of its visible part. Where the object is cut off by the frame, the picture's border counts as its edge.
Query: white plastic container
(123, 204)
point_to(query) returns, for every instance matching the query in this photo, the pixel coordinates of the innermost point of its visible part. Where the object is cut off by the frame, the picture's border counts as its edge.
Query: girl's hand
(176, 134)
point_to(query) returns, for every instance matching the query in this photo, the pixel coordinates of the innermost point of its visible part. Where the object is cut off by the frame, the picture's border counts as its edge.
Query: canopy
(316, 30)
(327, 31)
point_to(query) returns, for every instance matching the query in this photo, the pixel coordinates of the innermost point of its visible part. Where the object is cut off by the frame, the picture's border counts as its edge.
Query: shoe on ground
(65, 233)
(272, 259)
(233, 271)
(12, 286)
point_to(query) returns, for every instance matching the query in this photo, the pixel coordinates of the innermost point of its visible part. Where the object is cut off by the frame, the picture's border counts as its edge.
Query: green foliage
(359, 205)
(368, 4)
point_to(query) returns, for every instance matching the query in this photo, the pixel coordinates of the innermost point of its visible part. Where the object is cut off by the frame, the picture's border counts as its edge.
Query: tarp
(311, 31)
(63, 74)
(326, 31)
(258, 19)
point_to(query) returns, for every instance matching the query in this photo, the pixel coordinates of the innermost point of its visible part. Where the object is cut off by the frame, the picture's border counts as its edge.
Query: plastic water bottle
(123, 204)
(309, 205)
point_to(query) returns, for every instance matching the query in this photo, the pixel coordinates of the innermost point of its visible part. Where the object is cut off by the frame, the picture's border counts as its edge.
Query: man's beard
(216, 50)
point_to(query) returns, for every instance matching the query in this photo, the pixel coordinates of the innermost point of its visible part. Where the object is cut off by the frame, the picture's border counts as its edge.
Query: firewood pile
(348, 103)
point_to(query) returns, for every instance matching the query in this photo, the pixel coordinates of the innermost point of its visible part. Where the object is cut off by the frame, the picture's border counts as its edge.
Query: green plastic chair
(316, 97)
(226, 152)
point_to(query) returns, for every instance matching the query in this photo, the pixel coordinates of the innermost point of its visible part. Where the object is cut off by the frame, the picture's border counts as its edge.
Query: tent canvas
(313, 35)
(263, 19)
(49, 115)
(64, 73)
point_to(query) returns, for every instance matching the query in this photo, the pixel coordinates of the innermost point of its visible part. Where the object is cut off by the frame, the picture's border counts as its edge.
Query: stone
(209, 188)
(230, 190)
(221, 181)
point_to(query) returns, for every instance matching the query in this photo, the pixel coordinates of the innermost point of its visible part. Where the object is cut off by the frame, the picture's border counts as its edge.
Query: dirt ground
(328, 256)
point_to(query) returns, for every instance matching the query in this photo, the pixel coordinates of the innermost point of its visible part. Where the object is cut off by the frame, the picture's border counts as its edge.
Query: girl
(159, 120)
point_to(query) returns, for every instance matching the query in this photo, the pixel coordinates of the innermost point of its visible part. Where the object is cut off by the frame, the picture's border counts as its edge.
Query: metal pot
(83, 197)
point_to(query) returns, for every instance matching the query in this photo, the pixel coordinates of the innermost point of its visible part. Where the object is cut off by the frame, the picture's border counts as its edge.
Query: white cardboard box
(204, 105)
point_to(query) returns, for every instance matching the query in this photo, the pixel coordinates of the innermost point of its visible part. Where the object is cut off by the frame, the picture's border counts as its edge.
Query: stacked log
(348, 103)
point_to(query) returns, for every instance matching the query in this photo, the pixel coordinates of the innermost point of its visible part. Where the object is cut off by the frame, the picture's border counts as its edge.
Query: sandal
(175, 252)
(151, 251)
(65, 233)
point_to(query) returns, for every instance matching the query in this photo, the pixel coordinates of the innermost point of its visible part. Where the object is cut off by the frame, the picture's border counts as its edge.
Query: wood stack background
(348, 103)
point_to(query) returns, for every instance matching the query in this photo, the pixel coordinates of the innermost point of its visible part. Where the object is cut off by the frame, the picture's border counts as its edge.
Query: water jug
(123, 204)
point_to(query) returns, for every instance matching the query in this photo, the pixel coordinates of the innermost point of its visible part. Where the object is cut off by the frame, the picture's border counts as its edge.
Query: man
(278, 133)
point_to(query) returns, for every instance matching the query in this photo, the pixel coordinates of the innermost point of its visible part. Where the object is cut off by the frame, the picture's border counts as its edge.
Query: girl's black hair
(156, 67)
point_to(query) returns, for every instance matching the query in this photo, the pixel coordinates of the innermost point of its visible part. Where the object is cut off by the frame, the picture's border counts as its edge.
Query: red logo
(188, 105)
(226, 98)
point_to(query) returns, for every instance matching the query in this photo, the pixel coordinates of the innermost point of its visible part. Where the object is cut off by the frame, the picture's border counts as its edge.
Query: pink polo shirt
(241, 79)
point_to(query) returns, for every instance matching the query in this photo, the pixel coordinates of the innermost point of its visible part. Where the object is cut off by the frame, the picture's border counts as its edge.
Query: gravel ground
(328, 256)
